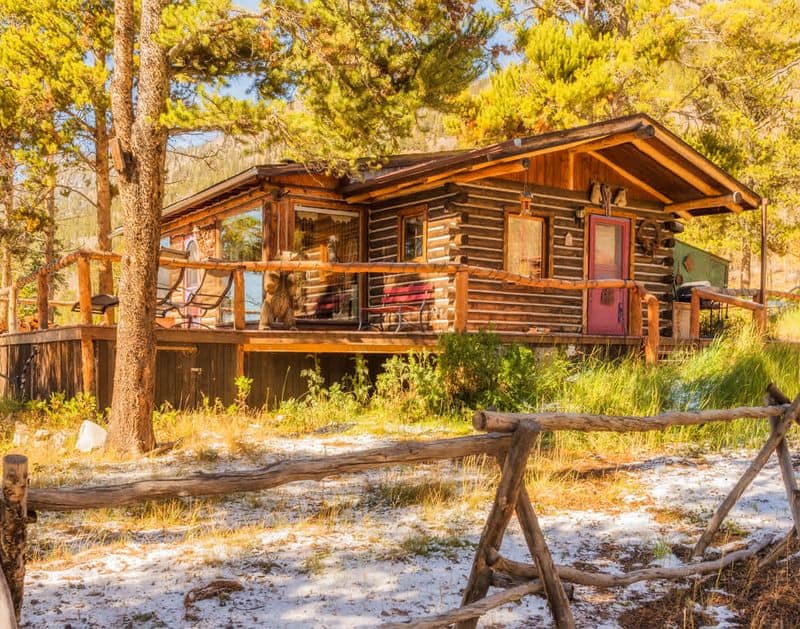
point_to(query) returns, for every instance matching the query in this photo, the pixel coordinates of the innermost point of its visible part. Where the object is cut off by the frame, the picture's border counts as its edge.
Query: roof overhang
(637, 148)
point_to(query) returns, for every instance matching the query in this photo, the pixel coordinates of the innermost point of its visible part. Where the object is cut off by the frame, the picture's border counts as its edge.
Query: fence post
(637, 301)
(42, 307)
(461, 305)
(12, 308)
(238, 300)
(694, 316)
(13, 519)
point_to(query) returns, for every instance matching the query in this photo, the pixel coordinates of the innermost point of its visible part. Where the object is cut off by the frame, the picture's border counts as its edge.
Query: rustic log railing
(509, 441)
(736, 297)
(461, 272)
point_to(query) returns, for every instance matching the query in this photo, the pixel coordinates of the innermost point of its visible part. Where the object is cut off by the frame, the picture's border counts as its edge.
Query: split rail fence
(509, 440)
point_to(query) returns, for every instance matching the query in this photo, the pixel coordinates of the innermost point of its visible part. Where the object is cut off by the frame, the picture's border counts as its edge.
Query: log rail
(461, 273)
(509, 440)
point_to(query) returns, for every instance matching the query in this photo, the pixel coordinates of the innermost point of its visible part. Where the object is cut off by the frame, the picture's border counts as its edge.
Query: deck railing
(461, 272)
(759, 310)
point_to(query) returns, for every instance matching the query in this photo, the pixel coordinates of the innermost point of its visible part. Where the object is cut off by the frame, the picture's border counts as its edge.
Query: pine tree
(344, 77)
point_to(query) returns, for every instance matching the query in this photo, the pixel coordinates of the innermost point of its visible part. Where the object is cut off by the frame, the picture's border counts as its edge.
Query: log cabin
(563, 238)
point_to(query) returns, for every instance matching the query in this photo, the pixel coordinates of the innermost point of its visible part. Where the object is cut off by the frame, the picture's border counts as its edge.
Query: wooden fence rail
(639, 296)
(759, 310)
(509, 441)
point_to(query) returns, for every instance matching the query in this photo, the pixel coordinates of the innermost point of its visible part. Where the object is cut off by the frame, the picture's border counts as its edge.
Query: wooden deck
(197, 363)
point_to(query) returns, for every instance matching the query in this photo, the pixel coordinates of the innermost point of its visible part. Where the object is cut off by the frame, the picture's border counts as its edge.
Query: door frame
(632, 302)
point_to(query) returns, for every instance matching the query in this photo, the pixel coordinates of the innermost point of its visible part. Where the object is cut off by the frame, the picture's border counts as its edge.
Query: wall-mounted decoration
(648, 235)
(568, 240)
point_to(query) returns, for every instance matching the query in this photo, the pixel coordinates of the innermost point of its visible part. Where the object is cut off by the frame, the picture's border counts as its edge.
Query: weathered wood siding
(442, 226)
(495, 304)
(34, 372)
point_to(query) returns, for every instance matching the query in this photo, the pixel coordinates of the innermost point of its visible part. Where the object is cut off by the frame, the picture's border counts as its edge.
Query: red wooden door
(609, 258)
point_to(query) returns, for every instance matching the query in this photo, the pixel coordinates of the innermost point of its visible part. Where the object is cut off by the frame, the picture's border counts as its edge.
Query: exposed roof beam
(681, 171)
(723, 200)
(632, 178)
(642, 133)
(706, 166)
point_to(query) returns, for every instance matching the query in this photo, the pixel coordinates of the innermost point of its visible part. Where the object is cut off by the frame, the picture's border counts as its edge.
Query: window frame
(546, 221)
(405, 214)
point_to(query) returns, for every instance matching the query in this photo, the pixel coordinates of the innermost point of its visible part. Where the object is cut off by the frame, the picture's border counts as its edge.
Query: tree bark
(105, 278)
(7, 199)
(143, 141)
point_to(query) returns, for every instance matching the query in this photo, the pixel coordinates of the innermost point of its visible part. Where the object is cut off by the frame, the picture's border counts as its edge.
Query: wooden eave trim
(631, 178)
(460, 175)
(642, 133)
(677, 169)
(505, 151)
(723, 200)
(707, 166)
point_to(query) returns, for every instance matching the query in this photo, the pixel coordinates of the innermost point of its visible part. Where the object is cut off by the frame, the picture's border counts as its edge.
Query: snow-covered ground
(363, 567)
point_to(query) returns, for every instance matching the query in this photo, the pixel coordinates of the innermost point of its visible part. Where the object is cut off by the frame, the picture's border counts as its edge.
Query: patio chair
(168, 280)
(210, 293)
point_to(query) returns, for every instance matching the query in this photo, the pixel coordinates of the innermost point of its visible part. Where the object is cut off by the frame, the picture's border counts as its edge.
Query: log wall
(443, 223)
(504, 307)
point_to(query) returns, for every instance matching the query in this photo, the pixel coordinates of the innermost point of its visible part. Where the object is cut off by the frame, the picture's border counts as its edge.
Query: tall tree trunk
(143, 140)
(50, 235)
(7, 199)
(105, 276)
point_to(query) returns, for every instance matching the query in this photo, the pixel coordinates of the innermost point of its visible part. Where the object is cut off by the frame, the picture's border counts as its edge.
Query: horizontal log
(468, 612)
(493, 421)
(281, 473)
(705, 293)
(605, 580)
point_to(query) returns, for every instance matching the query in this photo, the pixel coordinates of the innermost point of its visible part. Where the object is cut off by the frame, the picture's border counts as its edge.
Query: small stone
(21, 434)
(90, 436)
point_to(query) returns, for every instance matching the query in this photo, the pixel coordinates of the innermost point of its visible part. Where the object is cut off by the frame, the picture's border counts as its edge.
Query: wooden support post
(13, 521)
(776, 396)
(783, 425)
(636, 303)
(238, 300)
(694, 316)
(554, 589)
(505, 503)
(84, 290)
(461, 305)
(12, 308)
(653, 332)
(42, 307)
(87, 363)
(239, 360)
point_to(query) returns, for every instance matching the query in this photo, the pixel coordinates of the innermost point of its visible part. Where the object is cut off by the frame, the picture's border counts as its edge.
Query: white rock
(21, 434)
(90, 436)
(41, 435)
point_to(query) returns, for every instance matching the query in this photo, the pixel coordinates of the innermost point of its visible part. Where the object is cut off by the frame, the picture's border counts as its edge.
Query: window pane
(413, 238)
(327, 236)
(525, 254)
(607, 250)
(241, 237)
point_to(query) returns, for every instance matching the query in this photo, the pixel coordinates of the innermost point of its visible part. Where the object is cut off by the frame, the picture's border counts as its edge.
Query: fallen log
(281, 473)
(493, 421)
(604, 580)
(471, 611)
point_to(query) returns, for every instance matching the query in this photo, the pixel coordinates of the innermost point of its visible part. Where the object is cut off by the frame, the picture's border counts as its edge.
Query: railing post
(637, 301)
(84, 290)
(238, 300)
(461, 305)
(42, 307)
(760, 318)
(694, 316)
(12, 308)
(653, 332)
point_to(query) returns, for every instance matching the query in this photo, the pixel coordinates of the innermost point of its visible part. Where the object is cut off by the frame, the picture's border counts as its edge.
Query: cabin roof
(639, 149)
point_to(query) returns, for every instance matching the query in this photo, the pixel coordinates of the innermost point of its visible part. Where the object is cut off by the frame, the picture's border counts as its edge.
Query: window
(327, 234)
(526, 249)
(412, 235)
(240, 239)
